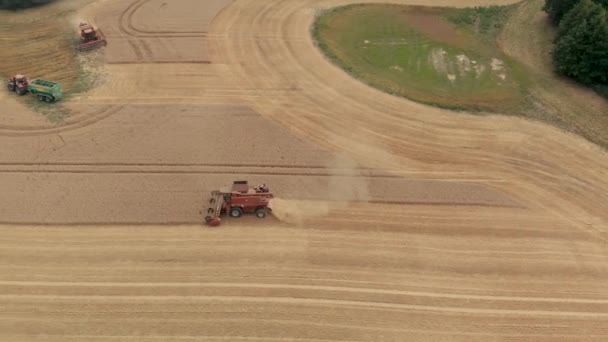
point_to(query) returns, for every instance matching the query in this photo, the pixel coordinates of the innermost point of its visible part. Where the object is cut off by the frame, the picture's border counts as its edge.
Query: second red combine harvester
(241, 199)
(90, 38)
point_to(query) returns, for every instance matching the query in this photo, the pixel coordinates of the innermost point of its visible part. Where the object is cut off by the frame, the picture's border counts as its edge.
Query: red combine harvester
(241, 199)
(90, 39)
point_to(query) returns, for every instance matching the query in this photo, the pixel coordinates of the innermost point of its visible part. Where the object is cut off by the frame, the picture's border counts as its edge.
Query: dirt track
(477, 228)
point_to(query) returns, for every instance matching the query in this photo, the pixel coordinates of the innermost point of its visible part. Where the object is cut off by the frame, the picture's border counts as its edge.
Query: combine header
(241, 199)
(90, 39)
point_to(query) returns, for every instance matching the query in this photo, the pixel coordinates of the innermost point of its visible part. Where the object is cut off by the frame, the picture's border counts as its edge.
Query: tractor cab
(20, 79)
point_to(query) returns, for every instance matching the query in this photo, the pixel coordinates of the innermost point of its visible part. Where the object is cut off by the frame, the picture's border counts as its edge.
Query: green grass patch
(438, 56)
(486, 22)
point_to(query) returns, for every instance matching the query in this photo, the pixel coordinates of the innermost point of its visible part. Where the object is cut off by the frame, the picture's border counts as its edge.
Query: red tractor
(241, 199)
(90, 39)
(18, 84)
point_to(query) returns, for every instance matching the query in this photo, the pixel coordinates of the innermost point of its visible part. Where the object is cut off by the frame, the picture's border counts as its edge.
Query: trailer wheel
(41, 97)
(260, 213)
(236, 212)
(49, 99)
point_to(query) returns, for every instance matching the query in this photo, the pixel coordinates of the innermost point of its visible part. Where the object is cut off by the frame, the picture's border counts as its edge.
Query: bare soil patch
(424, 19)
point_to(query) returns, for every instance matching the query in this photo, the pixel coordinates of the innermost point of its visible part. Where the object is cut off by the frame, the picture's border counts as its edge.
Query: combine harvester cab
(90, 38)
(241, 199)
(46, 90)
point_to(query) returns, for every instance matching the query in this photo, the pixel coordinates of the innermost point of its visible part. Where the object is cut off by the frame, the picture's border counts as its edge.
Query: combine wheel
(260, 213)
(236, 212)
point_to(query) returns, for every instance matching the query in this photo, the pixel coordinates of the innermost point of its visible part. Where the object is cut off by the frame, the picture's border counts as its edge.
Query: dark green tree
(18, 4)
(556, 9)
(603, 3)
(581, 49)
(576, 15)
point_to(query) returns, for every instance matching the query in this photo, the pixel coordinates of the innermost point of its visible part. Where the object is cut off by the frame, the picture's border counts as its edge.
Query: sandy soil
(461, 228)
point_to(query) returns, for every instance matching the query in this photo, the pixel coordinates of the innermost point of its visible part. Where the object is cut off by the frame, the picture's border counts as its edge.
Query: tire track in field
(450, 283)
(162, 62)
(305, 301)
(97, 115)
(406, 245)
(485, 196)
(139, 57)
(137, 38)
(305, 287)
(156, 34)
(237, 168)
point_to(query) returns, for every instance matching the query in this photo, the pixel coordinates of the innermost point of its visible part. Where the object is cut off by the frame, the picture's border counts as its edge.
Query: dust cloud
(345, 185)
(298, 211)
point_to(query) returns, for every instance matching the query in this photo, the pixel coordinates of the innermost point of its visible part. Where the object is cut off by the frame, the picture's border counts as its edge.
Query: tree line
(581, 45)
(18, 4)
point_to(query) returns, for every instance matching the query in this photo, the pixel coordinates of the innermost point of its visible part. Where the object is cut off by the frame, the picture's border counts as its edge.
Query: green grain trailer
(46, 90)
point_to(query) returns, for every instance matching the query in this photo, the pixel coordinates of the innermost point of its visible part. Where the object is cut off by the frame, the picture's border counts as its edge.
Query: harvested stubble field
(459, 227)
